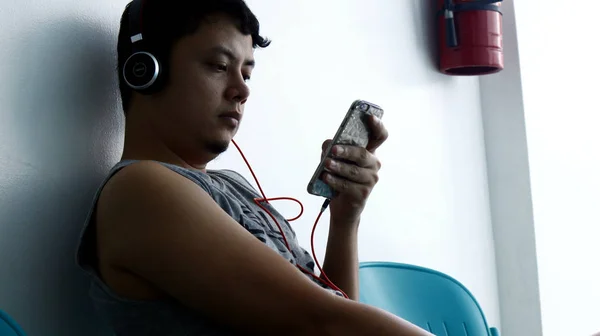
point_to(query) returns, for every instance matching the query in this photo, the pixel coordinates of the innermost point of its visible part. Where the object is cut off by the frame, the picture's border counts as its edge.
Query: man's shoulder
(134, 174)
(147, 190)
(140, 181)
(138, 173)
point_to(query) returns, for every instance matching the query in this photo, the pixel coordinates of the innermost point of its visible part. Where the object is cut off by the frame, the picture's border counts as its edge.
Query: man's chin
(217, 147)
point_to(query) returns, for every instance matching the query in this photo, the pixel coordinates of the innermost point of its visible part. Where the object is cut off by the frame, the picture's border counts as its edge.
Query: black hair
(167, 21)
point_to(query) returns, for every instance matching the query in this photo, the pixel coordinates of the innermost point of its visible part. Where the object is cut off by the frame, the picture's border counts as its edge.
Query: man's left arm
(341, 257)
(352, 173)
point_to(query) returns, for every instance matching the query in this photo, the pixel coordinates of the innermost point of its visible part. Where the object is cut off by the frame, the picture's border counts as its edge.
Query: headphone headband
(135, 21)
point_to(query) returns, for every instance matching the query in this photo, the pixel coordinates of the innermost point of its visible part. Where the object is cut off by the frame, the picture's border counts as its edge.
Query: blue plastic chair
(425, 297)
(8, 327)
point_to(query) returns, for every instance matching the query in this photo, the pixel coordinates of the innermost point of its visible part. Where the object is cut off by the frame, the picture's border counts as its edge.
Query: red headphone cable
(323, 278)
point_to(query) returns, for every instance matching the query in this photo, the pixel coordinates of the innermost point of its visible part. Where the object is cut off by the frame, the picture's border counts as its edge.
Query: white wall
(510, 191)
(559, 62)
(60, 132)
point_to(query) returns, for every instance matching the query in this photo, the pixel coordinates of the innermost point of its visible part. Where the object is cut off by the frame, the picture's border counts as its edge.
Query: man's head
(205, 48)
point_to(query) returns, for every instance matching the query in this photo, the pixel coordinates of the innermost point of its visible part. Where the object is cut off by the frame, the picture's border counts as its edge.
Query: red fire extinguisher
(470, 37)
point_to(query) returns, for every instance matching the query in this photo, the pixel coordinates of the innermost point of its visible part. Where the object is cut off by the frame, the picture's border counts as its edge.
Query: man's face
(201, 106)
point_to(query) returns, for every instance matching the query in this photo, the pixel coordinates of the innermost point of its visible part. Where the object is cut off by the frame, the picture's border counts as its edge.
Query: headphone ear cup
(141, 71)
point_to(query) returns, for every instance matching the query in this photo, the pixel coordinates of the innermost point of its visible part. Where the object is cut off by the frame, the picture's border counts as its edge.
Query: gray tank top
(168, 317)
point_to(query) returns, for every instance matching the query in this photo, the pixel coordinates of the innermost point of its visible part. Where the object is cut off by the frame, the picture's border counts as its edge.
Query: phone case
(354, 131)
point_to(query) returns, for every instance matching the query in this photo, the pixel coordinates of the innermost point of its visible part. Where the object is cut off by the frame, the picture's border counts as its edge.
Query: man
(171, 247)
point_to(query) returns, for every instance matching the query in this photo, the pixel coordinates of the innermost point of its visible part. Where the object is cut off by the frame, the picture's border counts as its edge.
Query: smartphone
(353, 131)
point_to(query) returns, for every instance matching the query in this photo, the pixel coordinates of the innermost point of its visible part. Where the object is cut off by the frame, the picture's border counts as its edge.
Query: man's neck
(142, 144)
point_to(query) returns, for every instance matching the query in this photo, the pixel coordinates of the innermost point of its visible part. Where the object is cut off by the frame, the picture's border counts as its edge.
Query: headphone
(142, 69)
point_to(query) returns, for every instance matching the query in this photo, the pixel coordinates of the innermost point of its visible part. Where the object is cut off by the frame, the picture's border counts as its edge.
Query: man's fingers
(324, 147)
(357, 155)
(352, 172)
(379, 134)
(341, 185)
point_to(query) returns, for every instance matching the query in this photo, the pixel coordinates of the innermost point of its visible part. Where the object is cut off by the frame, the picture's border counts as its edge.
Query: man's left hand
(352, 172)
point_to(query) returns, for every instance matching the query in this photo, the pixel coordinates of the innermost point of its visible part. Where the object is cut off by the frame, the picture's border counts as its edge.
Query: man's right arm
(170, 232)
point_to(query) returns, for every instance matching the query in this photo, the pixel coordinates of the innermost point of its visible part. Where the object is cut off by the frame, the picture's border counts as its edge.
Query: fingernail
(338, 150)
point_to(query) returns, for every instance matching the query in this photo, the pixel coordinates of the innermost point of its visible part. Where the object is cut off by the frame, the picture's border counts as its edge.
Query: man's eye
(221, 67)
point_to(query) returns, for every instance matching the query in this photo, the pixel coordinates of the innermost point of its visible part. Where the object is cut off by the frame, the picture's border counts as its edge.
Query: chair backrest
(8, 327)
(425, 297)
